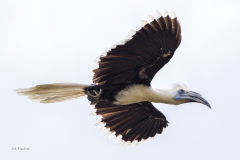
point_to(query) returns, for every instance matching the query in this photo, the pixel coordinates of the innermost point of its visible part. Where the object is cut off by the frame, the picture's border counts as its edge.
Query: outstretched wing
(131, 124)
(142, 54)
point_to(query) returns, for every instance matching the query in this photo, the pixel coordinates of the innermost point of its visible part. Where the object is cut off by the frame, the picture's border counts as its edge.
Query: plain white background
(46, 40)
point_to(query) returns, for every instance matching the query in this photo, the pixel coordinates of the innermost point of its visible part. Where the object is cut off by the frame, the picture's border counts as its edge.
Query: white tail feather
(52, 93)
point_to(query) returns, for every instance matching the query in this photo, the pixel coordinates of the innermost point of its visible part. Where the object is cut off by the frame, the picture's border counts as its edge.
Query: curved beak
(196, 97)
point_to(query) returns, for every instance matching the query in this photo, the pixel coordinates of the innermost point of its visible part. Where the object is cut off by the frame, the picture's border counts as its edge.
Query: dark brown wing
(140, 56)
(133, 123)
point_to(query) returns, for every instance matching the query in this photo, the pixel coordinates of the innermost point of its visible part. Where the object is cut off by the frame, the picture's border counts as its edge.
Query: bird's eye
(181, 91)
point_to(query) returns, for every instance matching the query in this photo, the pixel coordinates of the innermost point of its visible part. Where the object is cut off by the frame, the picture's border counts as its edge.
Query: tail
(56, 92)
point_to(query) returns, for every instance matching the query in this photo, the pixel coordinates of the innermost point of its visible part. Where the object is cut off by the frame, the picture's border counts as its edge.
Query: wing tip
(165, 12)
(143, 23)
(157, 14)
(150, 18)
(132, 32)
(173, 15)
(137, 27)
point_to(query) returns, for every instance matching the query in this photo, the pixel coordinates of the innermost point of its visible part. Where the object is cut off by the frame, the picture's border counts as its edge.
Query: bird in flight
(122, 93)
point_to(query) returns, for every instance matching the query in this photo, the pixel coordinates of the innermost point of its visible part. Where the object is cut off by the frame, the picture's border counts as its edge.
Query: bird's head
(181, 95)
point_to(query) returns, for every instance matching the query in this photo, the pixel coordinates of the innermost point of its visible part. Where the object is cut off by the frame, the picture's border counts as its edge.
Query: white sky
(46, 40)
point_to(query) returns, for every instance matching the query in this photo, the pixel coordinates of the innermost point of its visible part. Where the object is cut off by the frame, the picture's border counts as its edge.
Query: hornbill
(122, 75)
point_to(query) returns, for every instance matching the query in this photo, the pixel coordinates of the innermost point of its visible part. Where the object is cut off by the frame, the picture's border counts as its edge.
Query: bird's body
(131, 93)
(122, 93)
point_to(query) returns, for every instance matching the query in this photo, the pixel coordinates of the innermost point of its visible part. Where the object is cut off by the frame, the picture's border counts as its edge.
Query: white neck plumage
(162, 96)
(139, 93)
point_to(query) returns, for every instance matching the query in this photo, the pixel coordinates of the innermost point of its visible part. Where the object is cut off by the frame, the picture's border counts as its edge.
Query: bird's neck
(162, 96)
(140, 93)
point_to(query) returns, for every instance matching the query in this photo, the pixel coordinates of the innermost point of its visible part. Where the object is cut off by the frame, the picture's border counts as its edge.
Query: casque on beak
(195, 97)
